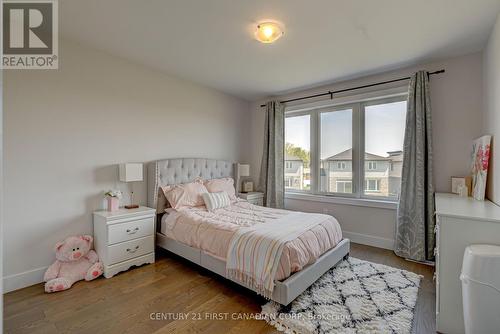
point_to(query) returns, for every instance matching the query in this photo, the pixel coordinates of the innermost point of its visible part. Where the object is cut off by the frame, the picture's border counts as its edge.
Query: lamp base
(131, 206)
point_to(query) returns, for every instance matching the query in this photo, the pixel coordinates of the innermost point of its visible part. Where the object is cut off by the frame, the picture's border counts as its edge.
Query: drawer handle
(133, 231)
(133, 250)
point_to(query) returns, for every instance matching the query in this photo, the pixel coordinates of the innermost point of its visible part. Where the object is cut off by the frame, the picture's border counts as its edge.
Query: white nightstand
(253, 197)
(124, 238)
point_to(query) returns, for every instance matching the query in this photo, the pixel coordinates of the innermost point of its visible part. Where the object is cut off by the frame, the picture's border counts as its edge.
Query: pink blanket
(213, 231)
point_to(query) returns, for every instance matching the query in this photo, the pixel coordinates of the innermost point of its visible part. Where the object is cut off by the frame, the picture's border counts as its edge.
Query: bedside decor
(75, 261)
(131, 172)
(479, 166)
(247, 186)
(113, 198)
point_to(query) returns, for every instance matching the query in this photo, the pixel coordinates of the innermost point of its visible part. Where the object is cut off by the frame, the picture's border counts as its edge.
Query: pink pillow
(185, 195)
(225, 184)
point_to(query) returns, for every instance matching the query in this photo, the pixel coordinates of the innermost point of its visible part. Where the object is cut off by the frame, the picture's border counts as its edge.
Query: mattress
(212, 232)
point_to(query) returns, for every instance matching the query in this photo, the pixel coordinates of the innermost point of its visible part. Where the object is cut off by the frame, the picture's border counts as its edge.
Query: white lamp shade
(130, 172)
(244, 169)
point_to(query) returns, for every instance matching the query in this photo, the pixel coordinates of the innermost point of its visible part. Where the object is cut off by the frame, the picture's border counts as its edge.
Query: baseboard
(369, 240)
(24, 279)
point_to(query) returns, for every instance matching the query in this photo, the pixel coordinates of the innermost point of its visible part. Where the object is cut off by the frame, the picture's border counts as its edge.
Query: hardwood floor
(172, 286)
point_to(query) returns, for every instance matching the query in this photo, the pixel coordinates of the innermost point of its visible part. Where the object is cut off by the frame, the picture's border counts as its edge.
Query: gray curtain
(415, 219)
(271, 170)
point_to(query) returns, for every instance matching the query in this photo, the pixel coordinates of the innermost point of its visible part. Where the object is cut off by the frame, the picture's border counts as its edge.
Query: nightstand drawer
(130, 230)
(130, 249)
(257, 201)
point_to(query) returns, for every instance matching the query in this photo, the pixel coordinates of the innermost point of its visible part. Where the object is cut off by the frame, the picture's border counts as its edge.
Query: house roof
(347, 155)
(395, 155)
(289, 157)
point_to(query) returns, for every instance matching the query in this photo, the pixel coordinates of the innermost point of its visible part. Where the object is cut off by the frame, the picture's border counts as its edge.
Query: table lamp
(131, 172)
(244, 171)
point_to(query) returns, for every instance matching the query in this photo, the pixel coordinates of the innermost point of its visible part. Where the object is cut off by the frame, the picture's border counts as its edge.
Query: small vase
(113, 203)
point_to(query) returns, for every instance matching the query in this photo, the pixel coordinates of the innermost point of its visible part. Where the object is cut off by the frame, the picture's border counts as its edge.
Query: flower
(486, 157)
(113, 193)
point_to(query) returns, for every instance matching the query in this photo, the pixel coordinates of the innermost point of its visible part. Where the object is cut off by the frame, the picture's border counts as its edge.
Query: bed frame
(182, 170)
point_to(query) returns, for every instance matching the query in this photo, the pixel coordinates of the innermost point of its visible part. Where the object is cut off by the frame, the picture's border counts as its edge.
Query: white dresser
(460, 221)
(124, 238)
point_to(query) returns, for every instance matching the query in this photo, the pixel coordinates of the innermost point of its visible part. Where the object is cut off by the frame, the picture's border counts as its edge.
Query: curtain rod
(353, 88)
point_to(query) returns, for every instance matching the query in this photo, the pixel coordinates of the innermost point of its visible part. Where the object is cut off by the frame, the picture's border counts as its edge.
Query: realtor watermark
(215, 316)
(30, 34)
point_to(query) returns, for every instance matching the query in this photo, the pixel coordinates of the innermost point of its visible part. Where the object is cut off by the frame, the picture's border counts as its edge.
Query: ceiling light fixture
(268, 32)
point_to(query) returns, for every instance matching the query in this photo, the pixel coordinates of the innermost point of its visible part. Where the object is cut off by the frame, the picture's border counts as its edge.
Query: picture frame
(480, 158)
(247, 186)
(456, 182)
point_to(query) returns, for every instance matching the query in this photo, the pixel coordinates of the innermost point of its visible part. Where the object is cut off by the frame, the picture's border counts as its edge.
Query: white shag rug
(355, 296)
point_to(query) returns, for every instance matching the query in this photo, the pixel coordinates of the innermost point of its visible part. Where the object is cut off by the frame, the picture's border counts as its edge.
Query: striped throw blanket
(254, 252)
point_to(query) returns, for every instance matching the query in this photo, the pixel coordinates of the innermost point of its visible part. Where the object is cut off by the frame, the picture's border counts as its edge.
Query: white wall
(456, 98)
(491, 121)
(66, 129)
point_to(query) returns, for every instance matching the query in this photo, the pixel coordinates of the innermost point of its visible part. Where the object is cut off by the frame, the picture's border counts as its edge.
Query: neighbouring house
(294, 172)
(382, 174)
(396, 166)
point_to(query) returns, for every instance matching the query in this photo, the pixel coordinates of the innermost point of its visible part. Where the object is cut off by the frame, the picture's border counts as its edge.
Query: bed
(295, 274)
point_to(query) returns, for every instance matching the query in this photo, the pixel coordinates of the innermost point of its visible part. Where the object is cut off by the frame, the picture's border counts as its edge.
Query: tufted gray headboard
(182, 170)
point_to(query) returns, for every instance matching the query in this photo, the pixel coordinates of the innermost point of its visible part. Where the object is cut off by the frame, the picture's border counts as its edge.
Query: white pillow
(216, 200)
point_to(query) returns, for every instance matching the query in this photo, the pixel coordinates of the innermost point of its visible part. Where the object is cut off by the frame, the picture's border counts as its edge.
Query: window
(297, 153)
(336, 144)
(384, 135)
(343, 186)
(349, 150)
(372, 185)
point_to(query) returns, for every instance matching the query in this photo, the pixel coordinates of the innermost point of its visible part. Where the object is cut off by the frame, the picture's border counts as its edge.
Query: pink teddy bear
(75, 261)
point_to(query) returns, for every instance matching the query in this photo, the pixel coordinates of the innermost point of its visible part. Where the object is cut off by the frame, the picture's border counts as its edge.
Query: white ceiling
(211, 41)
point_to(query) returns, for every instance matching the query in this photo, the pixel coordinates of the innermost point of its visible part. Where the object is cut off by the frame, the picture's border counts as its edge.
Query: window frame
(357, 103)
(367, 185)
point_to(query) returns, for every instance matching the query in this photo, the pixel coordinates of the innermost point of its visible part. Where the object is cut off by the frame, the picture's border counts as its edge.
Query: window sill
(371, 203)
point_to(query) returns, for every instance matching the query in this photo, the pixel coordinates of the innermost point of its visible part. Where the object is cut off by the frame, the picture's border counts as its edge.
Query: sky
(384, 130)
